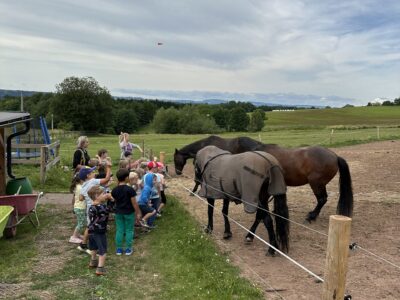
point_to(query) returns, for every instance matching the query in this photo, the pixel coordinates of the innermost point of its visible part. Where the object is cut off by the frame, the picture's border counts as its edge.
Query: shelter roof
(11, 118)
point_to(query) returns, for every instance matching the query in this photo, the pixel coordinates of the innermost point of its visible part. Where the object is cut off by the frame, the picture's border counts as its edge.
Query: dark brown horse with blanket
(314, 165)
(252, 178)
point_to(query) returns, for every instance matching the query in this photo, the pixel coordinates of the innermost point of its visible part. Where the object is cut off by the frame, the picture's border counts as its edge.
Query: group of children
(136, 201)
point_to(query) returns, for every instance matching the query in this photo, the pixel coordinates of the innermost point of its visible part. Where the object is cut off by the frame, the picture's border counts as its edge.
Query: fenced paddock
(373, 271)
(46, 156)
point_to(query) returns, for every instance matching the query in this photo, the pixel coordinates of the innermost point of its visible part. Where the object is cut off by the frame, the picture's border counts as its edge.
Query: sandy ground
(375, 170)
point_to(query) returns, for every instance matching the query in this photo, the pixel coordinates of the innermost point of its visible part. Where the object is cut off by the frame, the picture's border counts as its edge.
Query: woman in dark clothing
(81, 156)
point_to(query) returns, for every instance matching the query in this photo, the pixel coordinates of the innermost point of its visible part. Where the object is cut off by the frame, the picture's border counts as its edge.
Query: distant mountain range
(257, 99)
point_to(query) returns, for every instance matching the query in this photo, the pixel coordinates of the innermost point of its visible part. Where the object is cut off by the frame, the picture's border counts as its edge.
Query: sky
(299, 52)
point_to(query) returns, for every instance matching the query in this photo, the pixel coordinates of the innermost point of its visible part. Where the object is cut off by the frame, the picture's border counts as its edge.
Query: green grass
(174, 261)
(367, 115)
(58, 179)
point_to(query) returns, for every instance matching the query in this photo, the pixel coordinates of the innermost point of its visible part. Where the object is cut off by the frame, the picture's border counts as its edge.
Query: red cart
(24, 206)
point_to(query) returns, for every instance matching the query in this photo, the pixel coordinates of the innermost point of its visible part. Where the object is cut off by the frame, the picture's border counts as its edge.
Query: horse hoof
(207, 230)
(270, 252)
(227, 236)
(248, 240)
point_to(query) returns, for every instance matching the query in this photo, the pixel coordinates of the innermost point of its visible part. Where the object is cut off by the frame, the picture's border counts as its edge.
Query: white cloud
(350, 49)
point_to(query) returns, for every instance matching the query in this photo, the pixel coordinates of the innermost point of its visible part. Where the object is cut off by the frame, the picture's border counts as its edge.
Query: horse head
(179, 161)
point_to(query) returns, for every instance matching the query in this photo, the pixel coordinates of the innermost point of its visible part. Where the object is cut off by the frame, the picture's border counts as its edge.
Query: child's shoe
(75, 240)
(100, 271)
(93, 263)
(144, 223)
(128, 251)
(119, 251)
(84, 248)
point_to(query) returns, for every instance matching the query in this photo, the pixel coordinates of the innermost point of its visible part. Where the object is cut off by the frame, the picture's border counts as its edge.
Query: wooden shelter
(8, 119)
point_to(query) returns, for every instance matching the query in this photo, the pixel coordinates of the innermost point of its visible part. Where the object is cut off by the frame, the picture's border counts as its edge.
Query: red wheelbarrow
(24, 207)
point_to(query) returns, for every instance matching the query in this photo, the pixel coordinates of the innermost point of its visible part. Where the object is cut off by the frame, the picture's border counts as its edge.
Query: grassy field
(174, 261)
(353, 116)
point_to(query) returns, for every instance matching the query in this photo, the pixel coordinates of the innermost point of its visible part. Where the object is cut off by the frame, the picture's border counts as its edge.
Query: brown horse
(313, 165)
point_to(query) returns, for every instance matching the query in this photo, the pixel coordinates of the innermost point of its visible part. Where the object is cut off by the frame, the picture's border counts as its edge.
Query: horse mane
(266, 147)
(196, 146)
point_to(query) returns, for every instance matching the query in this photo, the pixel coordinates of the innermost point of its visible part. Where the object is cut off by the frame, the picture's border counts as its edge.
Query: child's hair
(101, 152)
(122, 174)
(140, 172)
(123, 164)
(133, 175)
(93, 162)
(75, 181)
(94, 192)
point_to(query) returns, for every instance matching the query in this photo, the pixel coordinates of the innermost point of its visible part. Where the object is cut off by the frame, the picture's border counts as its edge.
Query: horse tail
(282, 224)
(345, 204)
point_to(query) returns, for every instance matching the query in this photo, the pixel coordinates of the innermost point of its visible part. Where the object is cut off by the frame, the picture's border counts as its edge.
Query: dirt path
(375, 170)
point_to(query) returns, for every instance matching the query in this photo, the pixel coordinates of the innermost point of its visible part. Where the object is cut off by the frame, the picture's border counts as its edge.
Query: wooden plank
(336, 257)
(27, 146)
(42, 164)
(26, 161)
(52, 163)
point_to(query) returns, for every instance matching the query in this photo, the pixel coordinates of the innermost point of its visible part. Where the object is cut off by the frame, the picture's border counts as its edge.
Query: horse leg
(269, 225)
(322, 196)
(250, 236)
(225, 210)
(194, 189)
(210, 214)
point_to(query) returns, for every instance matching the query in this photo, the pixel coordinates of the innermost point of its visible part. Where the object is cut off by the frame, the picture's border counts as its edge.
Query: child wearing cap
(79, 209)
(98, 218)
(155, 195)
(87, 175)
(144, 200)
(126, 208)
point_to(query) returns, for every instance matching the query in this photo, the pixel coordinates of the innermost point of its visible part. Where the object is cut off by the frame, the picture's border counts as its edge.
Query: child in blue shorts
(98, 218)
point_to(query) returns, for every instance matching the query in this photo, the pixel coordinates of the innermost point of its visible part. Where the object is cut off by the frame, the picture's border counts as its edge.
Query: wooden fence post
(42, 164)
(336, 258)
(162, 156)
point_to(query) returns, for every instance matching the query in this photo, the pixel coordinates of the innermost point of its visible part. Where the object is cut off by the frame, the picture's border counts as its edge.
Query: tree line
(82, 104)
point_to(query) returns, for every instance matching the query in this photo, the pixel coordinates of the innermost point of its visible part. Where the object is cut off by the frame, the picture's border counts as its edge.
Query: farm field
(348, 116)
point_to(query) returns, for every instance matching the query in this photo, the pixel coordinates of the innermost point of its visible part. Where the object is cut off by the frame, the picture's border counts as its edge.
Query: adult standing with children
(126, 146)
(81, 156)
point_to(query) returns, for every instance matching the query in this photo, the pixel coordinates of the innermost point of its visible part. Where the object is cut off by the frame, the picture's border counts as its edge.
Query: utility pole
(22, 103)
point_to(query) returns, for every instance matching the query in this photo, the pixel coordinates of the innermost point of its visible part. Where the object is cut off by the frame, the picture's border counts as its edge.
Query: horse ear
(176, 151)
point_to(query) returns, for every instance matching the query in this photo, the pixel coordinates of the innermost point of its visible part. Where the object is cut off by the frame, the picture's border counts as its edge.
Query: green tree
(125, 120)
(257, 120)
(10, 104)
(83, 103)
(166, 120)
(396, 101)
(221, 117)
(191, 121)
(238, 119)
(387, 103)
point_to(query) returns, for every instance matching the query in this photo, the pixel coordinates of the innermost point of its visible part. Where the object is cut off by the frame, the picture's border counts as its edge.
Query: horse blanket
(241, 176)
